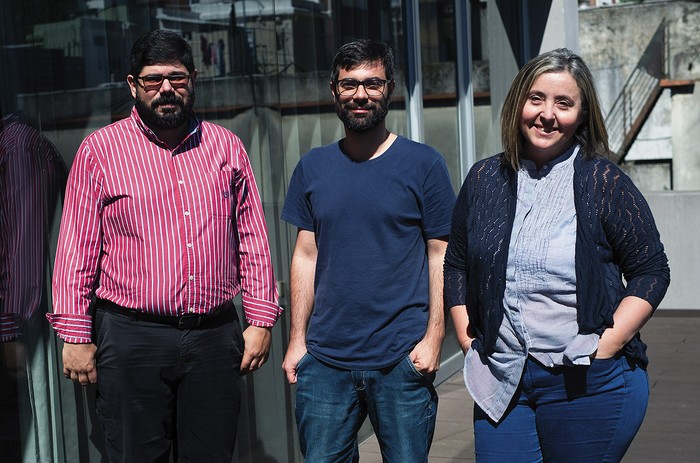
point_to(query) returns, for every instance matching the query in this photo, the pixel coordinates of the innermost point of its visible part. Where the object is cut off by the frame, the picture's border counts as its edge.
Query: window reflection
(32, 177)
(264, 70)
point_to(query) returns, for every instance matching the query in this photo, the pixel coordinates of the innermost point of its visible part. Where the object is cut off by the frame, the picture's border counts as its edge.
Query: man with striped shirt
(162, 226)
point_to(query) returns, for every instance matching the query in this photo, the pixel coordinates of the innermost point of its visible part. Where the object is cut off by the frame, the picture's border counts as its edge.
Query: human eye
(348, 84)
(534, 98)
(564, 104)
(177, 78)
(374, 84)
(152, 79)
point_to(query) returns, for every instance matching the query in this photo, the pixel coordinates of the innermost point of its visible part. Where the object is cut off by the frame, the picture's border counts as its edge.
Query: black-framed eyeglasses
(154, 81)
(373, 86)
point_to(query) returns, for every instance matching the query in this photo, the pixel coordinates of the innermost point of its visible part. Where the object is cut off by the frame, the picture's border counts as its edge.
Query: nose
(166, 87)
(548, 112)
(361, 93)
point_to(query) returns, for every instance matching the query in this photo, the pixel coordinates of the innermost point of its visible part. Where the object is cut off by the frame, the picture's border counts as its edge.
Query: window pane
(263, 72)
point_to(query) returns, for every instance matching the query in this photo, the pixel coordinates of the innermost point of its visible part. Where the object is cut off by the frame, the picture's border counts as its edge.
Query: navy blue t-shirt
(371, 222)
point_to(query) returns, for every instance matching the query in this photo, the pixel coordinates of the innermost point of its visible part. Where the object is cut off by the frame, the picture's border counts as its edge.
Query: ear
(132, 85)
(391, 86)
(333, 90)
(193, 76)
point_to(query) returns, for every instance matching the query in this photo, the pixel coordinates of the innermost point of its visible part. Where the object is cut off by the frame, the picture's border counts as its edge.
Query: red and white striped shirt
(166, 231)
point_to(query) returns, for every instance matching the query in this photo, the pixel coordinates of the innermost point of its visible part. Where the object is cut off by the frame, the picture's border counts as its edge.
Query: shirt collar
(547, 167)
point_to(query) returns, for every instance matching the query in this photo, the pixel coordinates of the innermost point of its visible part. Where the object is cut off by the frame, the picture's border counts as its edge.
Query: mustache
(351, 106)
(167, 100)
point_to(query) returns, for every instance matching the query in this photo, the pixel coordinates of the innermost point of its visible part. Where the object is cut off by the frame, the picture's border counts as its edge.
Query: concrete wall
(538, 33)
(676, 215)
(612, 39)
(686, 140)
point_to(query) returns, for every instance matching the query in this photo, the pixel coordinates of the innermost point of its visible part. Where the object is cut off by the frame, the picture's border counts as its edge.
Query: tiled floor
(671, 429)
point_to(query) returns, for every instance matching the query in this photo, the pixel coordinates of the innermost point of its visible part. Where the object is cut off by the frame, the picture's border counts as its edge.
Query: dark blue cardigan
(616, 237)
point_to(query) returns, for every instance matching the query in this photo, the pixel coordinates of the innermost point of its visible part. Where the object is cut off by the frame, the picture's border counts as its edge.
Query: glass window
(264, 73)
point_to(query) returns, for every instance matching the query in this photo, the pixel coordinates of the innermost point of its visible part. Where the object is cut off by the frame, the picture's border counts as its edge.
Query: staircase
(638, 96)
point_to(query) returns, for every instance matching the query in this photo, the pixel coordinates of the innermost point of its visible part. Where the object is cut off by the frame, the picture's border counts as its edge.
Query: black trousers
(167, 394)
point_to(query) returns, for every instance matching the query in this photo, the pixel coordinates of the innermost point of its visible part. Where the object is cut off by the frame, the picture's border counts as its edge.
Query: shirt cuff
(75, 329)
(259, 312)
(9, 329)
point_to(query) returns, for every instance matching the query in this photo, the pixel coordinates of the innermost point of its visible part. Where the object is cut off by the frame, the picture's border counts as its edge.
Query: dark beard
(378, 112)
(169, 120)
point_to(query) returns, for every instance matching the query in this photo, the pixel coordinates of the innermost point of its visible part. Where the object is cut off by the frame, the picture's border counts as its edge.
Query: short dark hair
(160, 47)
(591, 134)
(363, 51)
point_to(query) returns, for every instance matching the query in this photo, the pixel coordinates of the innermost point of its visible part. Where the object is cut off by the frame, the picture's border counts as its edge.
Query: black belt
(219, 315)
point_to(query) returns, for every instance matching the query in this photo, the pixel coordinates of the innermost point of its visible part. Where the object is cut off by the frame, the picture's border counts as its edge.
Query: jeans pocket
(413, 368)
(604, 361)
(302, 360)
(603, 368)
(604, 375)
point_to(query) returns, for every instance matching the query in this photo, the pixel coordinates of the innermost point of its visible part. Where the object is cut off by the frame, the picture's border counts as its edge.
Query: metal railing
(638, 96)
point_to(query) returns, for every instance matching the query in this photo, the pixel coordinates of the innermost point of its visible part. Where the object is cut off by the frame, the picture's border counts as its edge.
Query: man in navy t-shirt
(373, 212)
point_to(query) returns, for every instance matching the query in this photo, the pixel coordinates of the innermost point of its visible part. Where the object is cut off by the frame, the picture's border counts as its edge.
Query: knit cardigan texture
(618, 249)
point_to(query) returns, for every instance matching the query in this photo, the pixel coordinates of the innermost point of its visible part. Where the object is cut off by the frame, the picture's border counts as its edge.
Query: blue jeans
(567, 414)
(332, 403)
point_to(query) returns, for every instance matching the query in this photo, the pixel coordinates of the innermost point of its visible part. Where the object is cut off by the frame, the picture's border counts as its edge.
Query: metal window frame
(466, 148)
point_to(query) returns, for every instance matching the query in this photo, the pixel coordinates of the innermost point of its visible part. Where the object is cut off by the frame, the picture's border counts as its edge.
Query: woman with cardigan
(553, 266)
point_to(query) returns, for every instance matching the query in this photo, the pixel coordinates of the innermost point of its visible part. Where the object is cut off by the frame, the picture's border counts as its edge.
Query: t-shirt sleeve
(438, 201)
(297, 209)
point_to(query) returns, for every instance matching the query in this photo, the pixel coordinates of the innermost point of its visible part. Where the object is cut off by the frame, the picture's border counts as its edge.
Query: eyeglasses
(154, 81)
(373, 87)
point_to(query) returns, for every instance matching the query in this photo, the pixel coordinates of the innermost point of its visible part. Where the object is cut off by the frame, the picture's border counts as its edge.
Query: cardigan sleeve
(455, 274)
(631, 230)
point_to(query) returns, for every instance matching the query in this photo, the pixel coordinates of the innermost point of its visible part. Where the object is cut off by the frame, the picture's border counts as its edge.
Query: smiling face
(168, 106)
(552, 113)
(361, 112)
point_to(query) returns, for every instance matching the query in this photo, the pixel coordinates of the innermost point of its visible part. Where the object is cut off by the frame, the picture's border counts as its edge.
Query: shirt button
(189, 245)
(180, 182)
(187, 212)
(191, 309)
(191, 277)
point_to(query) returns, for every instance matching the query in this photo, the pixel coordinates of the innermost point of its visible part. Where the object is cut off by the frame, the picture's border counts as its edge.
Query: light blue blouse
(540, 294)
